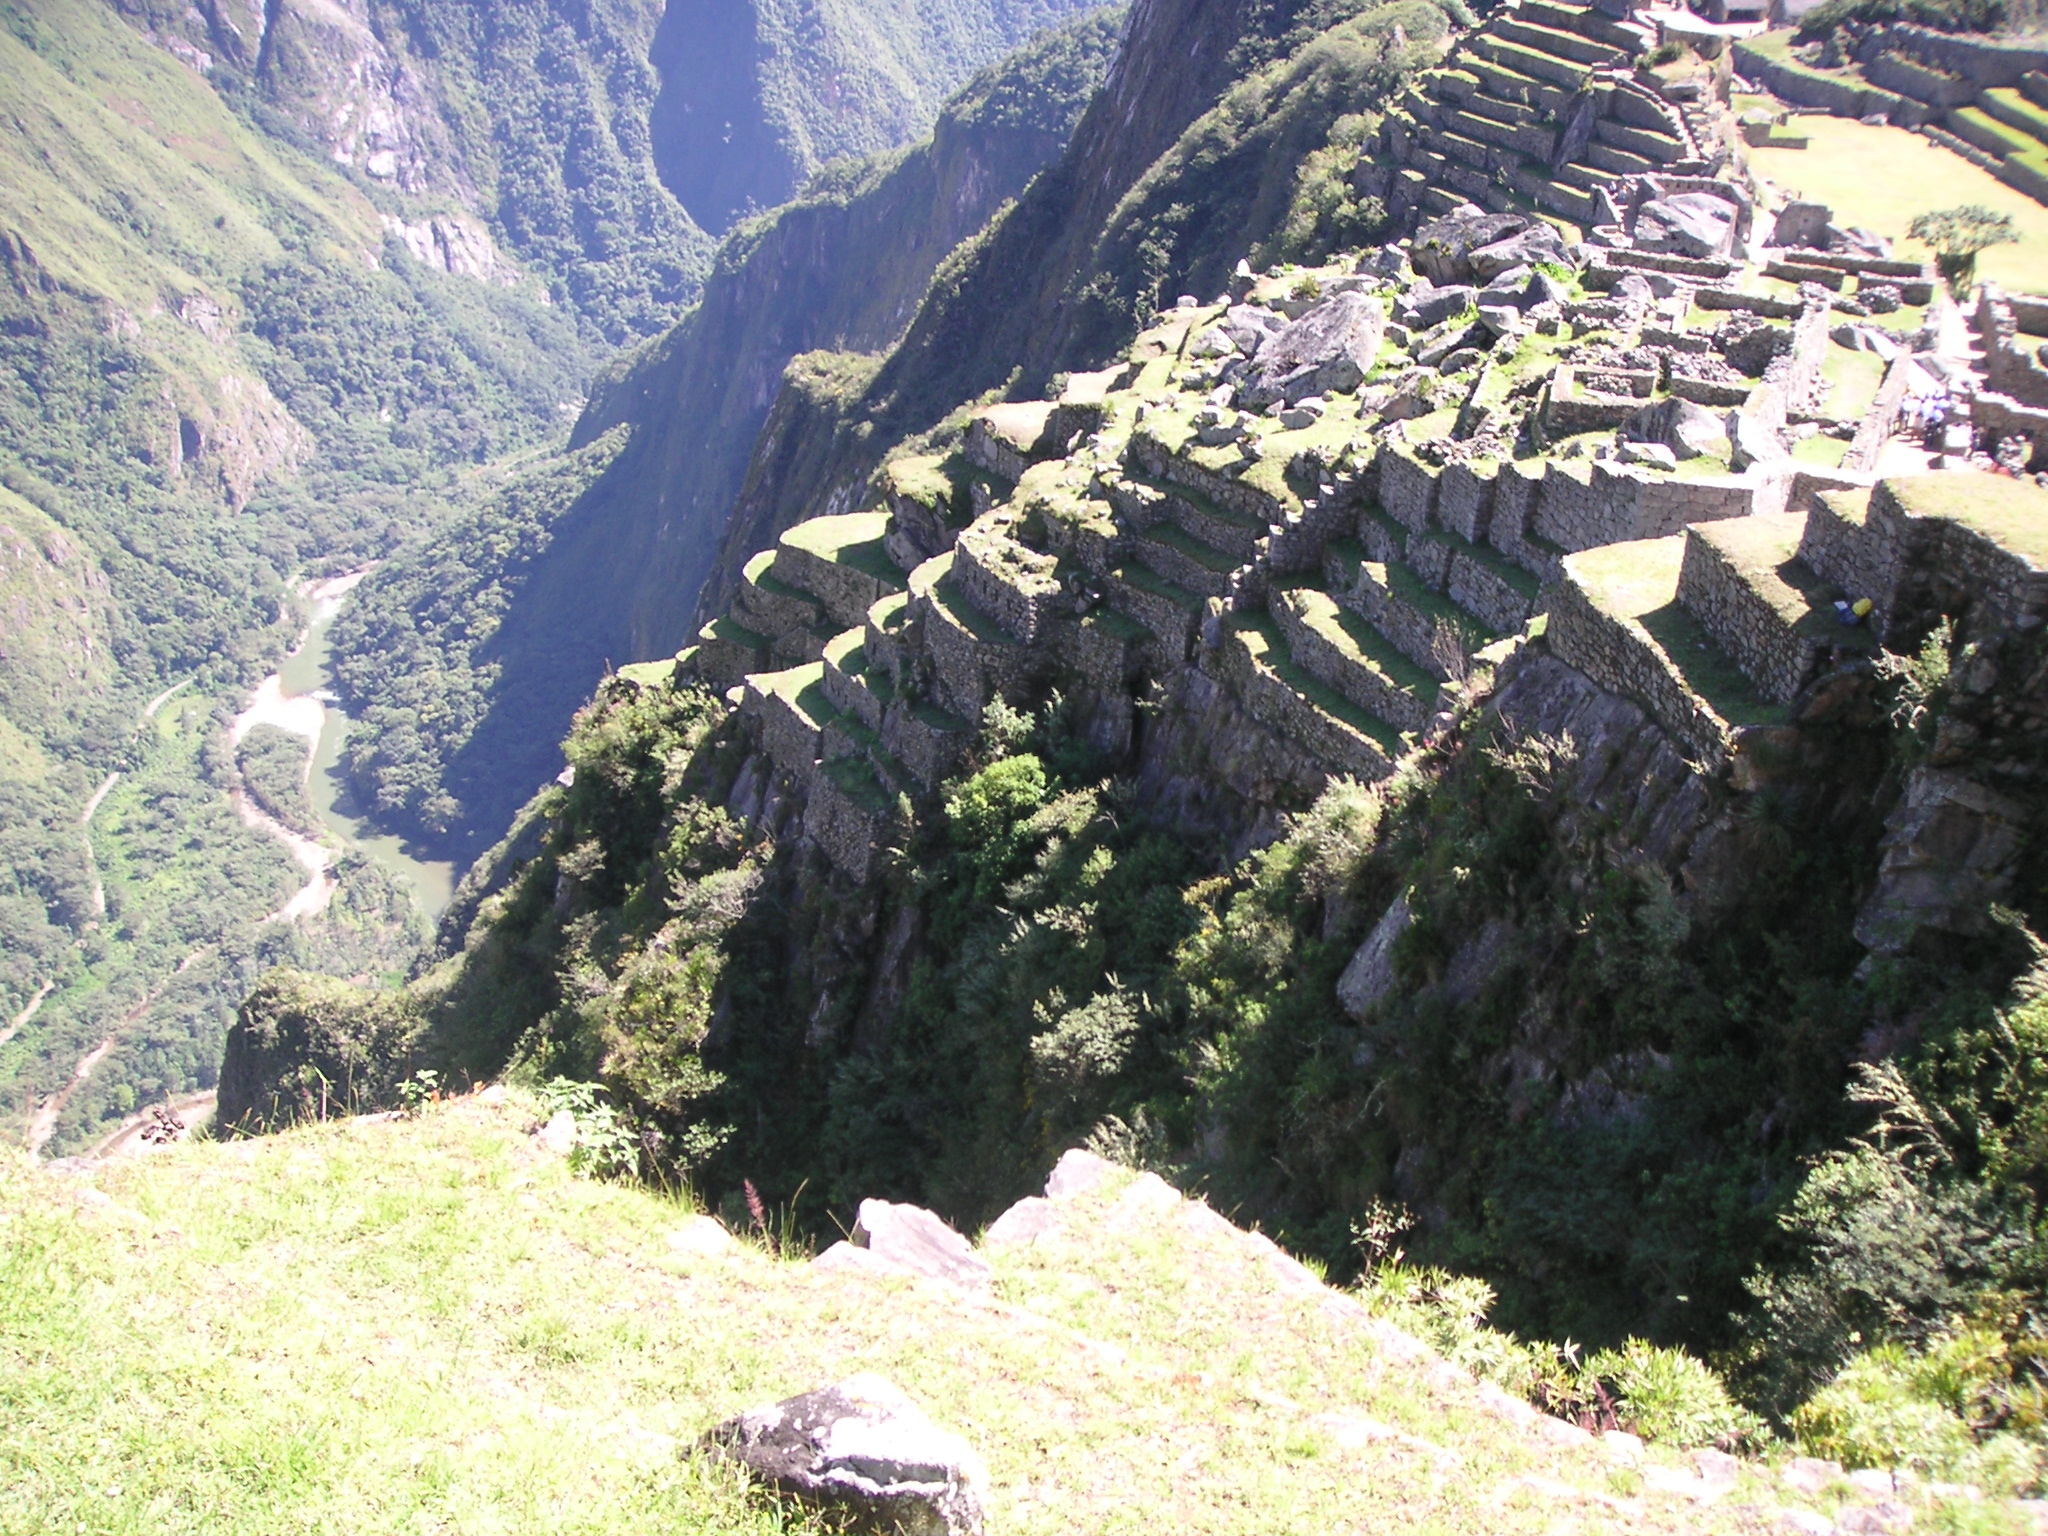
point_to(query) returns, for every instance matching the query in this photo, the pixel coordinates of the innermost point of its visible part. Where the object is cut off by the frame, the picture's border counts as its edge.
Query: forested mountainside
(491, 631)
(288, 286)
(1267, 677)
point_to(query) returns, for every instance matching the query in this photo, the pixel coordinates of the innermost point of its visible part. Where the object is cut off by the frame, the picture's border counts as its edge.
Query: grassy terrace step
(726, 651)
(1500, 109)
(1622, 162)
(1380, 680)
(802, 689)
(1573, 46)
(1587, 178)
(768, 602)
(1743, 580)
(1531, 62)
(1452, 85)
(1617, 618)
(2016, 112)
(1503, 80)
(1204, 518)
(1975, 126)
(1259, 634)
(841, 561)
(1181, 557)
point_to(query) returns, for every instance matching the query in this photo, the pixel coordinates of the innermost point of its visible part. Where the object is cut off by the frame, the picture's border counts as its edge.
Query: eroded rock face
(1327, 351)
(1370, 976)
(865, 1452)
(1950, 851)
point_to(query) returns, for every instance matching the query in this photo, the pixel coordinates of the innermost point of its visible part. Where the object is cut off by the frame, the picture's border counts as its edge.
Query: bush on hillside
(1663, 1395)
(1942, 1414)
(308, 1047)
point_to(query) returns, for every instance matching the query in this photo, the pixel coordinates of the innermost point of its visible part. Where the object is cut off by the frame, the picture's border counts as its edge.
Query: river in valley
(297, 698)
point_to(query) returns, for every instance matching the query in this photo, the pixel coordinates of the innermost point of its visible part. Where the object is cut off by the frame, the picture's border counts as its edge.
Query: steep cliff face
(530, 118)
(842, 269)
(756, 97)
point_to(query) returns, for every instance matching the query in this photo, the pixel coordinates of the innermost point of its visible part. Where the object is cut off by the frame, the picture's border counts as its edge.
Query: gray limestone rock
(865, 1452)
(1443, 248)
(1426, 306)
(1540, 244)
(1752, 441)
(1077, 1173)
(1634, 289)
(1802, 225)
(1950, 850)
(1653, 455)
(1369, 978)
(1327, 351)
(1689, 223)
(1388, 261)
(1499, 318)
(1248, 325)
(1025, 1222)
(1688, 430)
(916, 1240)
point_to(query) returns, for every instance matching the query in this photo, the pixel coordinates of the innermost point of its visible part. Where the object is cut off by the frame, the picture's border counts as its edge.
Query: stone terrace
(1325, 501)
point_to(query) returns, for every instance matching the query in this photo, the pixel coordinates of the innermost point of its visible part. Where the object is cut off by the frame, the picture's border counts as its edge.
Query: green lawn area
(1853, 379)
(1880, 178)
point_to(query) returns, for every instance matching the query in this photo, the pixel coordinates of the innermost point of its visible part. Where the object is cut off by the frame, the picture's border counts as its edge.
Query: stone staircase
(1538, 110)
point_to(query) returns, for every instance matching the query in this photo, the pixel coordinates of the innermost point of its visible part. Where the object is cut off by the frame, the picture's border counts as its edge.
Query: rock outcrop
(864, 1451)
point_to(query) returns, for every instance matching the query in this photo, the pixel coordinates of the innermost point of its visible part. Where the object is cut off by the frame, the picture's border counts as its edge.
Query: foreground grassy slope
(378, 1326)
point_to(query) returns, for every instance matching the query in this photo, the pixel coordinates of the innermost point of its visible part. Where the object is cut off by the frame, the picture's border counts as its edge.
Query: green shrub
(1668, 1395)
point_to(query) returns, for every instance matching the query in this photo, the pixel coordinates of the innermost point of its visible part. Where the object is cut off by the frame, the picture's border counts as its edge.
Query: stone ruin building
(1308, 517)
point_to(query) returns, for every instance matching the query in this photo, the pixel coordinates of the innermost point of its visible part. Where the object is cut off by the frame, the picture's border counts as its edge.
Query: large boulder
(1327, 351)
(865, 1453)
(1687, 223)
(1442, 249)
(1688, 430)
(1248, 325)
(1426, 305)
(1540, 245)
(908, 1237)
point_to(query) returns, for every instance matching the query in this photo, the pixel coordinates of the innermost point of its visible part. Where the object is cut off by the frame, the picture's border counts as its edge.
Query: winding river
(297, 698)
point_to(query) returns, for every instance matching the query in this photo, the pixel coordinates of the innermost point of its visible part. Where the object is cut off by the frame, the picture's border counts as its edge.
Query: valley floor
(388, 1325)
